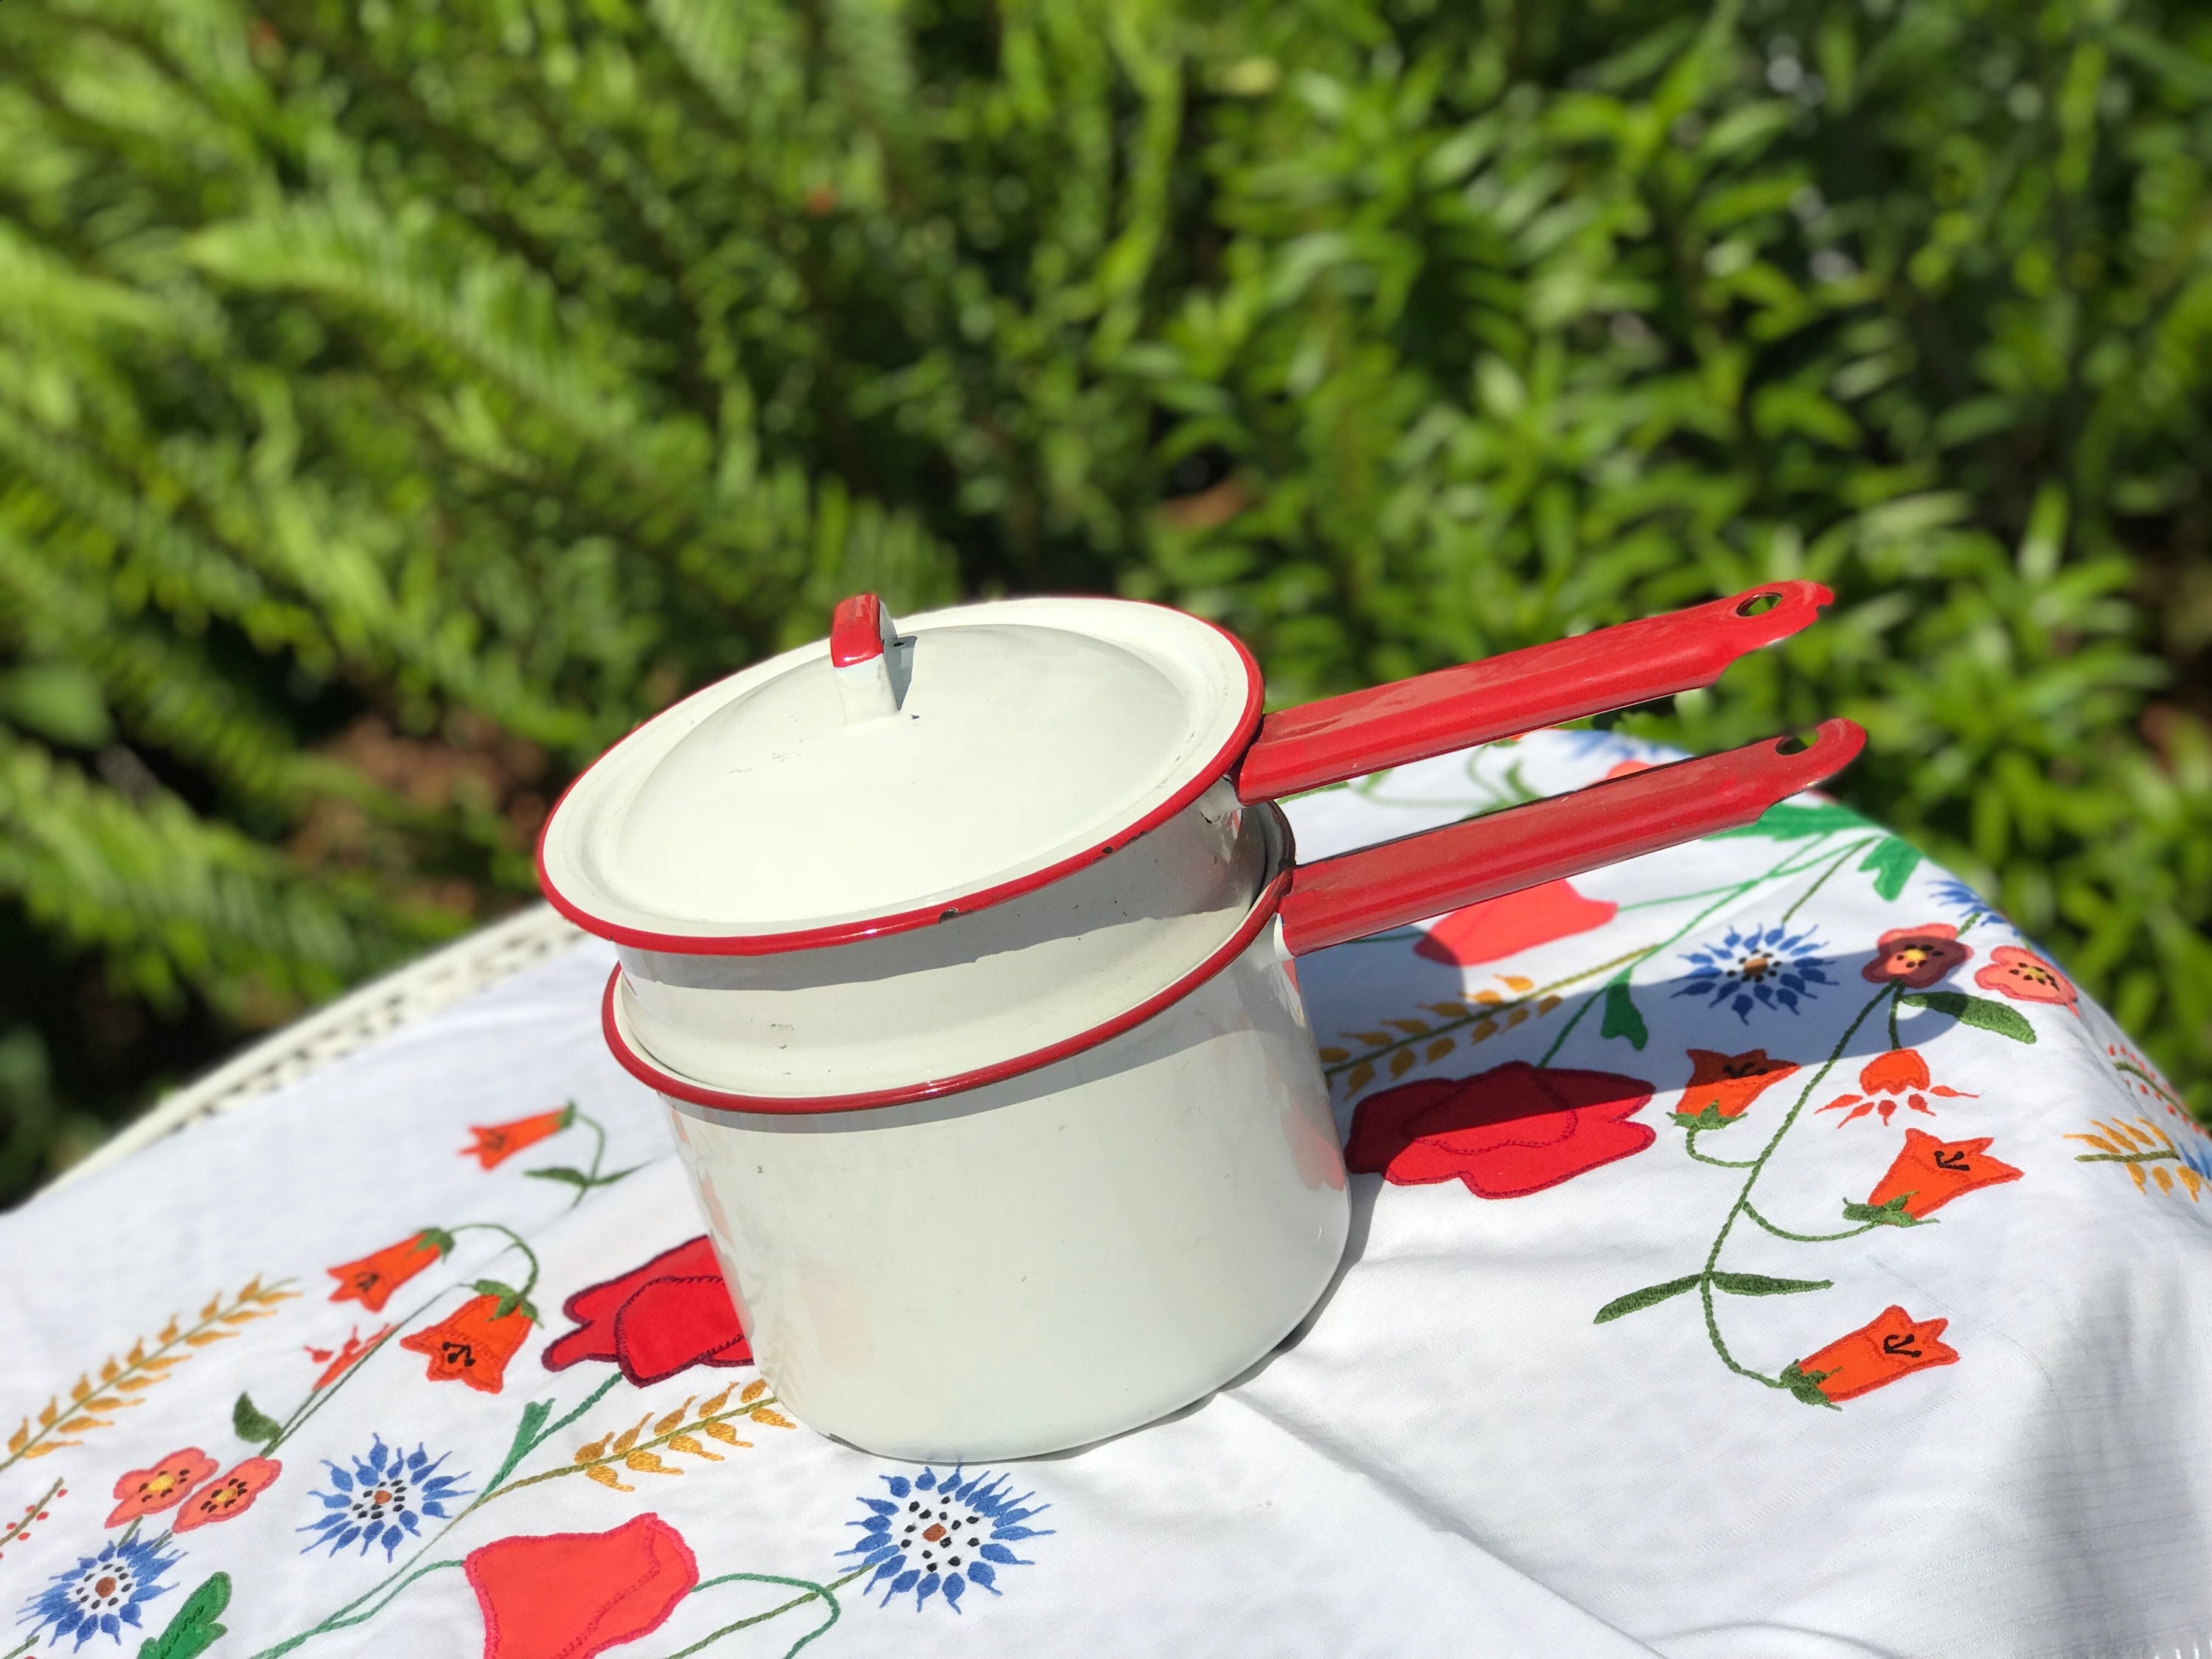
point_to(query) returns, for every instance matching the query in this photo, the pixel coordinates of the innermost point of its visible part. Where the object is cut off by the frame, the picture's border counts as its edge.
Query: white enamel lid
(958, 758)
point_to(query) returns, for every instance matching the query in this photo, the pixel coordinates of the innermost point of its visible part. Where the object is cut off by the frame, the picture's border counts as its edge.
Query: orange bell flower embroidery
(371, 1280)
(1898, 1077)
(497, 1142)
(149, 1490)
(1929, 1173)
(473, 1346)
(228, 1495)
(1892, 1344)
(343, 1360)
(2026, 977)
(1727, 1083)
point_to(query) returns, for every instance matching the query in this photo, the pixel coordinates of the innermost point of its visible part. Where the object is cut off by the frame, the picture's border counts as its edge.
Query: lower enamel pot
(1036, 1263)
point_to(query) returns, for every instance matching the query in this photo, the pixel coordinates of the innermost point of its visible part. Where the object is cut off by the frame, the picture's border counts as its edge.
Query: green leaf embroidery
(1650, 1295)
(252, 1424)
(1785, 821)
(1893, 862)
(509, 1299)
(438, 1239)
(1983, 1012)
(1891, 1214)
(1622, 1017)
(562, 1173)
(1710, 1119)
(1762, 1284)
(1805, 1385)
(194, 1629)
(578, 1179)
(527, 1434)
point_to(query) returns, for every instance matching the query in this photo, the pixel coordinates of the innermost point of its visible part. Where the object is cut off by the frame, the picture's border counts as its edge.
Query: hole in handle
(1758, 604)
(1792, 745)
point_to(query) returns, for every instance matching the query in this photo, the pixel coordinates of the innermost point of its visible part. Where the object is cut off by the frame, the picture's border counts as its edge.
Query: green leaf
(1891, 1214)
(1622, 1017)
(1805, 1385)
(1650, 1295)
(1893, 861)
(1983, 1012)
(1762, 1284)
(527, 1434)
(1786, 821)
(252, 1424)
(509, 1298)
(194, 1629)
(1710, 1119)
(562, 1173)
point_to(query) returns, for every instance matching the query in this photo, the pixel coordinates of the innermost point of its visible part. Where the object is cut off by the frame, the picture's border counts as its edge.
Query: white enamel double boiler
(960, 951)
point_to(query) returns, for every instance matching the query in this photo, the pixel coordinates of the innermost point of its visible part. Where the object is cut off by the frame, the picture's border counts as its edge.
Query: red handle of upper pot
(1594, 673)
(1438, 869)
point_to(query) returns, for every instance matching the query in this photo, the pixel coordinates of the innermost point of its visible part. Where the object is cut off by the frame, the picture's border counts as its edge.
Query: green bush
(400, 397)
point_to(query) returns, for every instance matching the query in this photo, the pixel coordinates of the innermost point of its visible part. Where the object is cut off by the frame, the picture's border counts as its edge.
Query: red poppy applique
(1929, 1173)
(1887, 1081)
(2027, 977)
(473, 1345)
(227, 1495)
(1519, 922)
(149, 1490)
(1892, 1344)
(571, 1594)
(371, 1280)
(657, 1320)
(1724, 1085)
(497, 1142)
(1505, 1133)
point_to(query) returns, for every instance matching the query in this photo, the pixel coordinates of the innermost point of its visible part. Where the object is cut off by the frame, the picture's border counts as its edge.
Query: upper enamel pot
(915, 857)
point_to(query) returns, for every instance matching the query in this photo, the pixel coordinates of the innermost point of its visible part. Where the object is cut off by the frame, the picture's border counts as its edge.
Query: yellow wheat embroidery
(638, 1448)
(2146, 1151)
(1411, 1041)
(119, 1382)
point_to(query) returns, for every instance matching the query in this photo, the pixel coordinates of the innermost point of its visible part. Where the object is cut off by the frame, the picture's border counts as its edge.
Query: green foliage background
(400, 397)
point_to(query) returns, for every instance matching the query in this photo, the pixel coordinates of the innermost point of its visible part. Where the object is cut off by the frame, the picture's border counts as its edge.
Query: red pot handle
(1611, 668)
(1439, 870)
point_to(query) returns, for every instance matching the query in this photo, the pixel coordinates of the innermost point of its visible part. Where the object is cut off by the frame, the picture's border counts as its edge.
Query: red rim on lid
(898, 774)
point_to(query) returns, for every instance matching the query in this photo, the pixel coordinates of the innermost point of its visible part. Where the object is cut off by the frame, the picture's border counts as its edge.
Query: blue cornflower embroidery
(1770, 966)
(103, 1593)
(943, 1533)
(379, 1499)
(1955, 893)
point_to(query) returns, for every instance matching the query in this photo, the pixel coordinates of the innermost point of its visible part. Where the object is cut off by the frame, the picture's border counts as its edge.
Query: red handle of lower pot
(1439, 870)
(1594, 673)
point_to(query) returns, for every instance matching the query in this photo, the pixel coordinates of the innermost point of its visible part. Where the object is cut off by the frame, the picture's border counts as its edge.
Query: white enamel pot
(961, 955)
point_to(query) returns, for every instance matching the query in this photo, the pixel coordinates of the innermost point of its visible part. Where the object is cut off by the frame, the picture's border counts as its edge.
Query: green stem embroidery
(1840, 860)
(1635, 959)
(516, 1241)
(1690, 1146)
(811, 1592)
(537, 1427)
(1709, 1277)
(318, 1398)
(2104, 1158)
(1752, 1211)
(583, 1181)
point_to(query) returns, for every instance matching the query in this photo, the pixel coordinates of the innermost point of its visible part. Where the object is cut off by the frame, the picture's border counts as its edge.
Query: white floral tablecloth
(1758, 1248)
